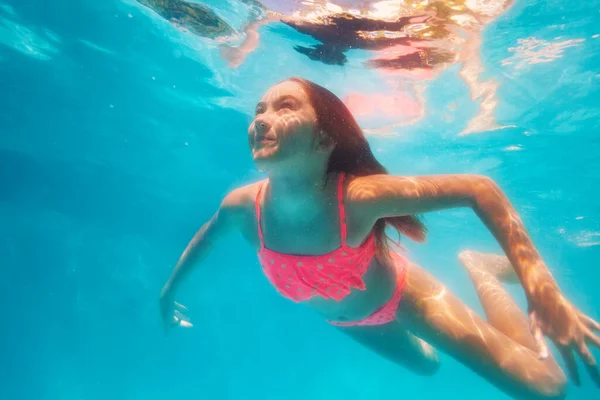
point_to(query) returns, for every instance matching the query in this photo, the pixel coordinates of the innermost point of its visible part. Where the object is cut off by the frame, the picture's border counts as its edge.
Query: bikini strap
(258, 219)
(340, 196)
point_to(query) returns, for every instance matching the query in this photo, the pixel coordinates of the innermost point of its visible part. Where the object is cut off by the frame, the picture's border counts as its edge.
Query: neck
(306, 183)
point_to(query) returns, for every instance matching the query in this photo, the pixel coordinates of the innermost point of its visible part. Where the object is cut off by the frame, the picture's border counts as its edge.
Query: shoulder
(380, 196)
(363, 195)
(364, 189)
(240, 200)
(384, 186)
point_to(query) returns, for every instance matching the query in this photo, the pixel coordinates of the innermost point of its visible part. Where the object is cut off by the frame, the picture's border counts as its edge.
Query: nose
(261, 126)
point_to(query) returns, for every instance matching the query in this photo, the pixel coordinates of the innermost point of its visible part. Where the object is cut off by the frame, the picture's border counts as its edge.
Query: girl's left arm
(388, 196)
(550, 312)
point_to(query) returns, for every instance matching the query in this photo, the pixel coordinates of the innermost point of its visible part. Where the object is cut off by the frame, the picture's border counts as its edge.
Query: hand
(553, 315)
(172, 312)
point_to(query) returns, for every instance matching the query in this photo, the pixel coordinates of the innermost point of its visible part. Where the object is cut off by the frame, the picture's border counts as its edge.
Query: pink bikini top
(331, 276)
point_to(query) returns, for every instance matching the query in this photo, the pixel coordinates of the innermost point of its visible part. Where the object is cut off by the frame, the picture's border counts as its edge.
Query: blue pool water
(119, 135)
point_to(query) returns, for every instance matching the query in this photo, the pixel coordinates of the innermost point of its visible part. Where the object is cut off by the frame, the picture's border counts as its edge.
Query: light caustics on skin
(573, 333)
(289, 115)
(506, 339)
(501, 347)
(503, 350)
(282, 124)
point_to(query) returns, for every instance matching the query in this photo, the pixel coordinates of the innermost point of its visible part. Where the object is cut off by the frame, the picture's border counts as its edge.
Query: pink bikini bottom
(387, 312)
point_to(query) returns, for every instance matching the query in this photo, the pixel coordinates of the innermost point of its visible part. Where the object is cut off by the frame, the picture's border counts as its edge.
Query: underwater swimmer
(337, 29)
(317, 223)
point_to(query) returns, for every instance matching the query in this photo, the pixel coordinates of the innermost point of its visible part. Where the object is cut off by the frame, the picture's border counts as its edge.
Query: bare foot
(497, 265)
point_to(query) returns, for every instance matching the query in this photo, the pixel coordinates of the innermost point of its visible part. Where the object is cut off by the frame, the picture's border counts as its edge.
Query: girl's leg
(487, 271)
(502, 351)
(393, 342)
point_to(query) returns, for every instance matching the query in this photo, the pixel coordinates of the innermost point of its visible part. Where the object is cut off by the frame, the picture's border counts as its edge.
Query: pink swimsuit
(332, 275)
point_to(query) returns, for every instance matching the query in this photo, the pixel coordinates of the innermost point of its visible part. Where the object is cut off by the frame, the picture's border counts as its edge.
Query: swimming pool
(112, 116)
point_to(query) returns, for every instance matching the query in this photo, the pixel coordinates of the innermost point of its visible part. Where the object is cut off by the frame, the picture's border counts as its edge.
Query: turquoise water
(119, 135)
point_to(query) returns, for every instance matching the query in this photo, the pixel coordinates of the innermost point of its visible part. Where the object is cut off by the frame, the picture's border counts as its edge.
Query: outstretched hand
(551, 314)
(172, 313)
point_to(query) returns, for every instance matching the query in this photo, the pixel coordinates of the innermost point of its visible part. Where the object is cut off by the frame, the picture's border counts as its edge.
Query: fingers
(591, 338)
(173, 316)
(589, 362)
(180, 316)
(180, 306)
(571, 364)
(181, 320)
(185, 324)
(590, 322)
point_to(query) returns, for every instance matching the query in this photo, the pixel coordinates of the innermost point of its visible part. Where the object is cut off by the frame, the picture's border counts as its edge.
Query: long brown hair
(352, 155)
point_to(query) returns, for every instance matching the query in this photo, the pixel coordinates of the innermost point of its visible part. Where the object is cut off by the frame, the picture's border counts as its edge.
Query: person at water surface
(318, 224)
(409, 42)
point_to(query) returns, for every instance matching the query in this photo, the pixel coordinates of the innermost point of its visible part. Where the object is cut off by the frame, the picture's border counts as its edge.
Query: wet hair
(352, 155)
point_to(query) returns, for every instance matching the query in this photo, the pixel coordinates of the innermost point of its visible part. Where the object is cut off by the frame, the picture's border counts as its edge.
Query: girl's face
(283, 129)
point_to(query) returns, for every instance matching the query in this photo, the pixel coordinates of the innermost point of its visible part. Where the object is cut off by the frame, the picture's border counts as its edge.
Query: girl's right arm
(227, 217)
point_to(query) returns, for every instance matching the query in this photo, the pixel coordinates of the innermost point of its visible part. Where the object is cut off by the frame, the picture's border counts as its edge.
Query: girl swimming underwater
(318, 224)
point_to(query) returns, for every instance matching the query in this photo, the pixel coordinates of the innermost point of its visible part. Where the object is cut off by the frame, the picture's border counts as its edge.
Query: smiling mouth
(264, 139)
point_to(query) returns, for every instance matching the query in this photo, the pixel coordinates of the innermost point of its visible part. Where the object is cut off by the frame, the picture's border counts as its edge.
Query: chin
(270, 163)
(265, 158)
(263, 163)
